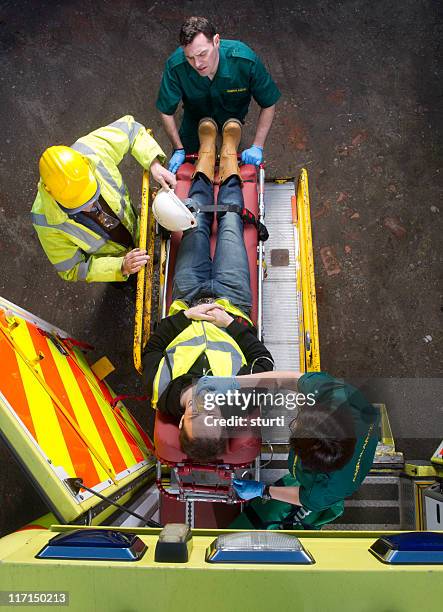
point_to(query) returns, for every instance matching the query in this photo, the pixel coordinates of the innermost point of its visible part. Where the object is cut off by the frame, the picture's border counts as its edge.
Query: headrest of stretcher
(240, 450)
(248, 172)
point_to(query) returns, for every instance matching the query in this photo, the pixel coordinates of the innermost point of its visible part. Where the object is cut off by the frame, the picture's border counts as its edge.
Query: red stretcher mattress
(240, 450)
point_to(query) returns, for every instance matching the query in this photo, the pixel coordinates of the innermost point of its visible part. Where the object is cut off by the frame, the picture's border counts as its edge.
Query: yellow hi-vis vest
(224, 355)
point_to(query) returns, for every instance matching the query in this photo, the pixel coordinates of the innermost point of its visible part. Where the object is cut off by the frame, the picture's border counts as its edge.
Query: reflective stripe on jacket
(224, 355)
(76, 251)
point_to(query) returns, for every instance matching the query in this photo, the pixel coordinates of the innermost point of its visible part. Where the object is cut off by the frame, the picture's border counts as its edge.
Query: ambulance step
(281, 300)
(274, 465)
(374, 507)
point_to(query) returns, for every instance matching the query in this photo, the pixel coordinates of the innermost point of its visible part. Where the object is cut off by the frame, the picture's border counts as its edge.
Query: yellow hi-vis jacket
(224, 354)
(76, 251)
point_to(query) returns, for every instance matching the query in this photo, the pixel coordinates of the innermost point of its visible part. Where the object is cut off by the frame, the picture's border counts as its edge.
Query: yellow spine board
(299, 288)
(142, 286)
(310, 355)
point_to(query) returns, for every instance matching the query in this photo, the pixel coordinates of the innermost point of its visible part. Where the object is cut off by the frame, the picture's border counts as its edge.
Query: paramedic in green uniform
(213, 78)
(332, 444)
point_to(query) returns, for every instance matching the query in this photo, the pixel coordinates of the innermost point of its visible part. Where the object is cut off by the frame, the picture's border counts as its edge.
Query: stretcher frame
(224, 492)
(308, 333)
(188, 492)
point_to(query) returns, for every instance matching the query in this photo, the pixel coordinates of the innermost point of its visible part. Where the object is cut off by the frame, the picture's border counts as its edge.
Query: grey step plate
(281, 311)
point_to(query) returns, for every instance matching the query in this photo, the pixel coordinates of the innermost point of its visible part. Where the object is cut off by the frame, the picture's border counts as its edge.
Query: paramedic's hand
(161, 175)
(253, 155)
(220, 317)
(134, 261)
(177, 160)
(248, 489)
(202, 312)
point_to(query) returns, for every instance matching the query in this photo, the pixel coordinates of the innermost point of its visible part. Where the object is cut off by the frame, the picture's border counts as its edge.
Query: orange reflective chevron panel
(60, 404)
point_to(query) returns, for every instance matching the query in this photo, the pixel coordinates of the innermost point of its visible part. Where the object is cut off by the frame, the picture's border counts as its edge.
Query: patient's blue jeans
(227, 276)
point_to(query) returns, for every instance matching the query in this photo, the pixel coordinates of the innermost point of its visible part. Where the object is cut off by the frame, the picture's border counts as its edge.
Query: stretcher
(177, 477)
(212, 482)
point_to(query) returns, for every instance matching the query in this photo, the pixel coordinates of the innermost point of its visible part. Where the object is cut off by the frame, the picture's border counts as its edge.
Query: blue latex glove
(253, 155)
(176, 160)
(213, 385)
(216, 384)
(248, 489)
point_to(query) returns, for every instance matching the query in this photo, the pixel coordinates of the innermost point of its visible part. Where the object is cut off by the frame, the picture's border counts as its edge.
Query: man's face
(193, 419)
(203, 54)
(186, 402)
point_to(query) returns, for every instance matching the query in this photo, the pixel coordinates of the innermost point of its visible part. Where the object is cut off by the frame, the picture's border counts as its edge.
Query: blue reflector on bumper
(417, 547)
(94, 545)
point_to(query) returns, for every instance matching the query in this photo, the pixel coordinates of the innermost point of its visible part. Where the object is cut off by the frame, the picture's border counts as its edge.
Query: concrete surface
(359, 110)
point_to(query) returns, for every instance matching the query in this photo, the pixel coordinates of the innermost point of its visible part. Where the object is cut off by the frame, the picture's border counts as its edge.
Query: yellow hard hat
(67, 176)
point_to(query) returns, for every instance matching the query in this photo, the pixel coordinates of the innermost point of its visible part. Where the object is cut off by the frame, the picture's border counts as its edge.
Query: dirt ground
(361, 85)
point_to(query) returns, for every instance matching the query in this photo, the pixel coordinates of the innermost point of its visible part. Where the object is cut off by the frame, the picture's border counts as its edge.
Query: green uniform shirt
(320, 491)
(240, 76)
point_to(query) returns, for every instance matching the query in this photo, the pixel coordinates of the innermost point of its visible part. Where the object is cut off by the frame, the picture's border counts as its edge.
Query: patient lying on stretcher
(208, 331)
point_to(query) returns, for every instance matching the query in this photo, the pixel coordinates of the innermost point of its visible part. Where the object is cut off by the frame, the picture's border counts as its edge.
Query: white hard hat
(171, 213)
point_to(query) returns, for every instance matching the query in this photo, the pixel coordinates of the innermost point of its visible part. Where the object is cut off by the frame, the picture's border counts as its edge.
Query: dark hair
(193, 26)
(202, 450)
(323, 437)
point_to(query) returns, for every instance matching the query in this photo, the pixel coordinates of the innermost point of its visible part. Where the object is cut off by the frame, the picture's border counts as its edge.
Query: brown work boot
(207, 134)
(228, 155)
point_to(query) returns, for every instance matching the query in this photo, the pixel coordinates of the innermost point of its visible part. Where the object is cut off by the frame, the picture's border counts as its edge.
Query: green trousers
(274, 514)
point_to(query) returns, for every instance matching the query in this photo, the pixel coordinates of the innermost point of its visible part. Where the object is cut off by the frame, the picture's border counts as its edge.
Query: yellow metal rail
(309, 340)
(143, 300)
